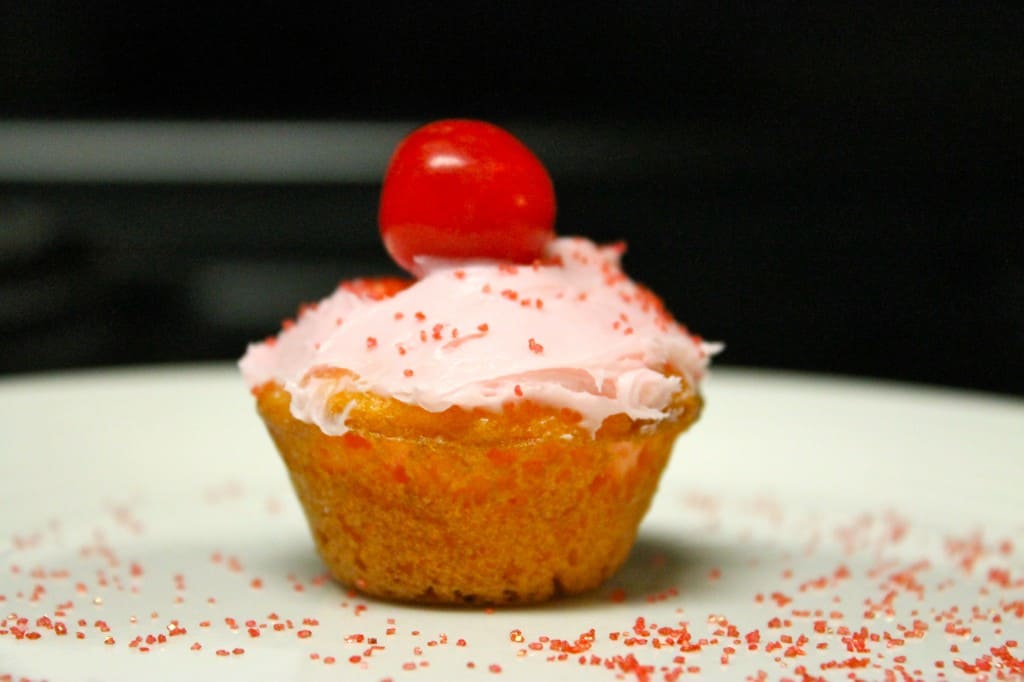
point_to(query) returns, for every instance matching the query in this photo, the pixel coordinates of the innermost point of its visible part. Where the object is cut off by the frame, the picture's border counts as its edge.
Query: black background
(832, 189)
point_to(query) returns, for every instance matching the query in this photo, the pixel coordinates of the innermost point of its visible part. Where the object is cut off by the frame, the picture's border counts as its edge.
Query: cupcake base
(467, 507)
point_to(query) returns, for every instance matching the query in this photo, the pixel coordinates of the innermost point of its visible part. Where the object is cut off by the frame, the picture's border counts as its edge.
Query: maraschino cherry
(465, 190)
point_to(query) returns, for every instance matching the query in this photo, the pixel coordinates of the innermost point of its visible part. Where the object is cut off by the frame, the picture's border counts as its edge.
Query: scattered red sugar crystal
(870, 612)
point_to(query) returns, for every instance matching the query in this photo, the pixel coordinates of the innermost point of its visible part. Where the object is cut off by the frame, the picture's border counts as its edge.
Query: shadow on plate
(662, 566)
(658, 567)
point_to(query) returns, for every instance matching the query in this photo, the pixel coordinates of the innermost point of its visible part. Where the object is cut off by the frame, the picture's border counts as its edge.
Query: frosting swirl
(569, 331)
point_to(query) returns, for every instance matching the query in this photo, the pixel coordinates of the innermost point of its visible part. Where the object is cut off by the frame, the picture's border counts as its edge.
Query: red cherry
(461, 189)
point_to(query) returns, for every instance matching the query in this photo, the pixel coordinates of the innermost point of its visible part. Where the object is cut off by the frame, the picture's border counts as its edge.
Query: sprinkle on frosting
(571, 331)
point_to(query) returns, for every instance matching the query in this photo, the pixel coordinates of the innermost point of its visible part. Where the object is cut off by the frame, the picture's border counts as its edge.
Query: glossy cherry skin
(465, 190)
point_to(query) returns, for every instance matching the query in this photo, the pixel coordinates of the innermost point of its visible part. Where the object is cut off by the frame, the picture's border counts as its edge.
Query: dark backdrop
(827, 189)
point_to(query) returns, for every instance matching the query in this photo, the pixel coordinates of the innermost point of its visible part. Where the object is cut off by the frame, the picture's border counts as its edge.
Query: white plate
(855, 527)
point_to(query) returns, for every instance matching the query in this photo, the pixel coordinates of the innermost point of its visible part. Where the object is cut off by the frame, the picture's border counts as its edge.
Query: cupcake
(492, 432)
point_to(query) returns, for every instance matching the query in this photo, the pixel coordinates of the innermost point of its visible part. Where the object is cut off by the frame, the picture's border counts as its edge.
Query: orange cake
(494, 431)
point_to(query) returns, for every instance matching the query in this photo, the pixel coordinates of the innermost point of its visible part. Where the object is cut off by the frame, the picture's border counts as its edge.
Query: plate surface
(807, 526)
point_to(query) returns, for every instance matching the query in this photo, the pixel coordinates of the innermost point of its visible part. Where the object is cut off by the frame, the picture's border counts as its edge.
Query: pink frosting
(573, 332)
